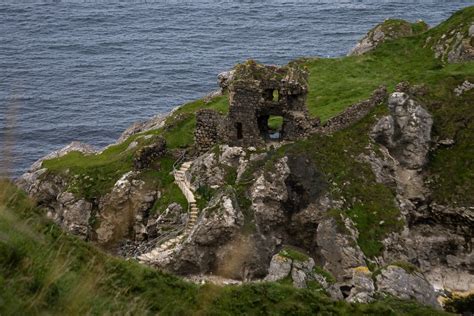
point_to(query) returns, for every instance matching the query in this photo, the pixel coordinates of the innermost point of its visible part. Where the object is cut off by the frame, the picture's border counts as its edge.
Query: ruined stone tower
(259, 94)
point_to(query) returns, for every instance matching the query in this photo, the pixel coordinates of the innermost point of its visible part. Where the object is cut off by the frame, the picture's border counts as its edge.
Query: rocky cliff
(377, 201)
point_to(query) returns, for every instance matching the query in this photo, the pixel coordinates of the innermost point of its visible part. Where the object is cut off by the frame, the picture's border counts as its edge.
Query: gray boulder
(74, 214)
(224, 79)
(124, 209)
(339, 249)
(280, 268)
(363, 288)
(396, 281)
(406, 132)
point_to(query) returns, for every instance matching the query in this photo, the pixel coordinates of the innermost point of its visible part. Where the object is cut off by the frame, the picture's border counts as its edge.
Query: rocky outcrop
(454, 45)
(388, 30)
(398, 282)
(203, 249)
(31, 182)
(464, 87)
(301, 272)
(155, 122)
(224, 79)
(337, 241)
(362, 286)
(73, 214)
(125, 209)
(437, 238)
(404, 137)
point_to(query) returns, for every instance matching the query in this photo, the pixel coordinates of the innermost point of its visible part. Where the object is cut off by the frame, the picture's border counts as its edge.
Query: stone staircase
(181, 178)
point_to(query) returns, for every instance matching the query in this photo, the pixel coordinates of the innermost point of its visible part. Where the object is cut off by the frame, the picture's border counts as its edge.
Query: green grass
(92, 176)
(335, 83)
(326, 274)
(275, 122)
(293, 254)
(367, 203)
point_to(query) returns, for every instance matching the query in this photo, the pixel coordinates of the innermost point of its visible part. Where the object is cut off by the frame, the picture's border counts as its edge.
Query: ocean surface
(86, 70)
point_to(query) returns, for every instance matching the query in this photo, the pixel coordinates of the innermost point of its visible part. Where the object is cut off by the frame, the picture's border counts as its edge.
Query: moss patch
(293, 254)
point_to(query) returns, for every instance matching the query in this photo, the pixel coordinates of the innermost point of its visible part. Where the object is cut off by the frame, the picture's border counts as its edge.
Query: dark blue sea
(85, 70)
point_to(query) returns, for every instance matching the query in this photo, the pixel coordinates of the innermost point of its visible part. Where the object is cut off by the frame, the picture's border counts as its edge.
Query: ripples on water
(85, 70)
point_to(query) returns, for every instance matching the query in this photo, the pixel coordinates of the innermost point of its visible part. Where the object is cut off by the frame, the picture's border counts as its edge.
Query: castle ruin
(266, 103)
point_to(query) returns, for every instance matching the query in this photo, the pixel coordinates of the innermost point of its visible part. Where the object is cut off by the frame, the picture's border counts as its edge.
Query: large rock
(405, 138)
(339, 248)
(406, 132)
(125, 209)
(204, 250)
(280, 268)
(34, 182)
(455, 45)
(363, 288)
(224, 79)
(156, 122)
(74, 214)
(440, 253)
(300, 270)
(396, 281)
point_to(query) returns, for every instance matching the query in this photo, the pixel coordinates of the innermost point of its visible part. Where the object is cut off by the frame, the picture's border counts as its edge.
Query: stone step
(186, 164)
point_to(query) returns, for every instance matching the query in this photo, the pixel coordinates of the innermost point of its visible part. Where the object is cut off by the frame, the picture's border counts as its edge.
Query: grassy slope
(44, 271)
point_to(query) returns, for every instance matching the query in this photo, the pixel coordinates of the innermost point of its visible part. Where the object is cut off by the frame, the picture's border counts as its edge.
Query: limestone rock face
(436, 237)
(405, 137)
(456, 45)
(224, 79)
(442, 254)
(74, 214)
(300, 271)
(363, 288)
(280, 268)
(155, 122)
(210, 168)
(34, 184)
(209, 248)
(339, 249)
(124, 209)
(406, 132)
(396, 281)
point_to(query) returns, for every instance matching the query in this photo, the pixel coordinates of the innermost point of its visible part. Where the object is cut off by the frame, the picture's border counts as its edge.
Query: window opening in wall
(238, 127)
(275, 127)
(276, 96)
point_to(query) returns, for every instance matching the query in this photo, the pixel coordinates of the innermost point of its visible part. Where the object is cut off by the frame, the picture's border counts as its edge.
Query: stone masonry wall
(208, 127)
